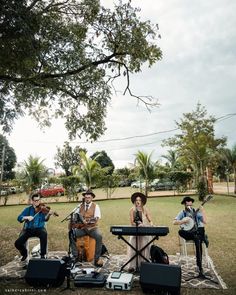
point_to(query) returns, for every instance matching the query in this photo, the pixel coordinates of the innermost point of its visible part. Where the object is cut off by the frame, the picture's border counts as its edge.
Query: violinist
(34, 218)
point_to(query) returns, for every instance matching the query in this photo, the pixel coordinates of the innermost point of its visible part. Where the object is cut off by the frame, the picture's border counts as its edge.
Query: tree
(104, 160)
(196, 143)
(34, 172)
(60, 59)
(7, 159)
(67, 157)
(124, 175)
(172, 158)
(70, 183)
(88, 170)
(230, 157)
(146, 168)
(108, 182)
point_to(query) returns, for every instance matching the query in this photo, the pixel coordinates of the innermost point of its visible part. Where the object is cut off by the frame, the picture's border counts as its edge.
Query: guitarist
(197, 232)
(86, 218)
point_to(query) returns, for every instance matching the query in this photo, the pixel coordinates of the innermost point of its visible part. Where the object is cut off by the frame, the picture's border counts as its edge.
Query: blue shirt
(37, 222)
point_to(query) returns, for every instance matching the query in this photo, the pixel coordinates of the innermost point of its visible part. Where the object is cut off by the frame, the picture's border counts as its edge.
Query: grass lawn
(220, 229)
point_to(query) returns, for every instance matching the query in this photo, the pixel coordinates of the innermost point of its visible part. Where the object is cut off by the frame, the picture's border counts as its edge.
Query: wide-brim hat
(89, 192)
(138, 194)
(187, 199)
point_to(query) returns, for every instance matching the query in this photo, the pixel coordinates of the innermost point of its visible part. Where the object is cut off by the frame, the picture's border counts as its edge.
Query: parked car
(138, 184)
(3, 192)
(163, 185)
(81, 188)
(51, 191)
(12, 190)
(124, 183)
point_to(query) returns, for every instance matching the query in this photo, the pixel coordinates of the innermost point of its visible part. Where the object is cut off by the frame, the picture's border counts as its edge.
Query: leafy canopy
(196, 143)
(67, 157)
(104, 161)
(60, 59)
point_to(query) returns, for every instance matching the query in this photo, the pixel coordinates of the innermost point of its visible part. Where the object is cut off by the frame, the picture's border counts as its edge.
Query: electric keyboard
(122, 230)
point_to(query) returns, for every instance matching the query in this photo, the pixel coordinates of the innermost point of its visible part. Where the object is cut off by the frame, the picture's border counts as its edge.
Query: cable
(227, 116)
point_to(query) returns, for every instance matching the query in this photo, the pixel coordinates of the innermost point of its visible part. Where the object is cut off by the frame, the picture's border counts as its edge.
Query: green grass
(220, 229)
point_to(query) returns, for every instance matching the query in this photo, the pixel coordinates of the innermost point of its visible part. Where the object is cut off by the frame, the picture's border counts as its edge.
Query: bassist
(196, 232)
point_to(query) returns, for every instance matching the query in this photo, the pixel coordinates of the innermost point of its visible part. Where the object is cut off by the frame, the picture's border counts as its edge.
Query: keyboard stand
(137, 252)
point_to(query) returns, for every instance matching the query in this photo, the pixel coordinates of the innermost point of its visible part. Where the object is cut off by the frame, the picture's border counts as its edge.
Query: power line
(130, 137)
(150, 143)
(138, 136)
(227, 116)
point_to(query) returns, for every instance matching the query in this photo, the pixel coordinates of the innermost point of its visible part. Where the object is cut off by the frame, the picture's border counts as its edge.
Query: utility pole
(2, 165)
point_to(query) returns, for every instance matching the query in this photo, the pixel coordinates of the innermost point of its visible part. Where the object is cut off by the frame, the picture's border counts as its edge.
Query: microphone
(137, 217)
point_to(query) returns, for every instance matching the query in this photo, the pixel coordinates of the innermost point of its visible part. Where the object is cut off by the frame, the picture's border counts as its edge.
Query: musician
(197, 233)
(89, 213)
(34, 226)
(139, 216)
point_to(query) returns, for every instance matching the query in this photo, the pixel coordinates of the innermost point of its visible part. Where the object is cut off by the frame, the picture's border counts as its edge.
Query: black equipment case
(90, 280)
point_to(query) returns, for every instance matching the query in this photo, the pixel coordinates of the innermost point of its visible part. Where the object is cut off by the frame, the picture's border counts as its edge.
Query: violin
(44, 209)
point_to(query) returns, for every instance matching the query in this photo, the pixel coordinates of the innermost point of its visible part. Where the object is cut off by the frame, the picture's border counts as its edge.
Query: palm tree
(230, 157)
(172, 158)
(146, 168)
(34, 171)
(88, 169)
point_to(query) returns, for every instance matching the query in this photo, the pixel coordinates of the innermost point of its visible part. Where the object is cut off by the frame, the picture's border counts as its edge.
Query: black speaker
(155, 277)
(45, 272)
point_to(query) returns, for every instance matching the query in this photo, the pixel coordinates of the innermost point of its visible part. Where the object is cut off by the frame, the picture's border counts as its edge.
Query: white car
(3, 192)
(138, 184)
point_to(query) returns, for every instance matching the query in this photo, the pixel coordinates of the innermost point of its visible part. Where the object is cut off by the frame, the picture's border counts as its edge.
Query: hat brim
(141, 195)
(187, 200)
(88, 193)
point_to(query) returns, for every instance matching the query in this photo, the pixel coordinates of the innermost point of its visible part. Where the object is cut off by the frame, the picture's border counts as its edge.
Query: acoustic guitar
(84, 224)
(191, 220)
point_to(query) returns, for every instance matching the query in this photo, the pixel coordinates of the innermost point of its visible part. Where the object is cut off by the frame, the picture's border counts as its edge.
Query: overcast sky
(198, 41)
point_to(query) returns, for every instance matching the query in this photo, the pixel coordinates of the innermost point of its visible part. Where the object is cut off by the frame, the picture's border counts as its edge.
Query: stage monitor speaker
(155, 277)
(45, 272)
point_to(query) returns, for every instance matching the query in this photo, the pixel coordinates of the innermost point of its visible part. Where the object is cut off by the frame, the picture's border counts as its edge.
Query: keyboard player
(139, 216)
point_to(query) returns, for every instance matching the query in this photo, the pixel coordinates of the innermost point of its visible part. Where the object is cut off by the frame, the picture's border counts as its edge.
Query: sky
(198, 42)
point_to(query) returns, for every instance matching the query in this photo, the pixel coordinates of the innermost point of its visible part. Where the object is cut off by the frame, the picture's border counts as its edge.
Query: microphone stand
(198, 247)
(137, 221)
(69, 263)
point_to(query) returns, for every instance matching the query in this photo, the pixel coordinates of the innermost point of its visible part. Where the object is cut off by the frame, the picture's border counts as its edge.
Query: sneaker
(23, 258)
(98, 262)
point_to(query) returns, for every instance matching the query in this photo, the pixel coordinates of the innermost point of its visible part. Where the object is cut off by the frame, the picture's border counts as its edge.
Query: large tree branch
(43, 76)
